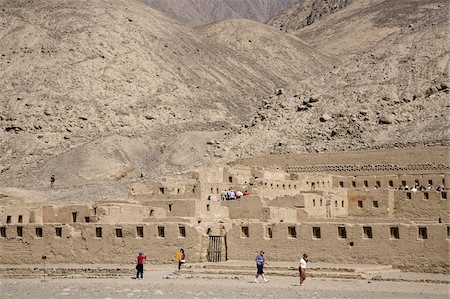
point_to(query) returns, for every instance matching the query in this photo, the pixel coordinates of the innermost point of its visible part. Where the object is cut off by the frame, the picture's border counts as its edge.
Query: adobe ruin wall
(344, 217)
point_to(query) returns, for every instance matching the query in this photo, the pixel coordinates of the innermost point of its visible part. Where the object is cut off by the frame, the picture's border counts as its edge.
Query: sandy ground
(157, 285)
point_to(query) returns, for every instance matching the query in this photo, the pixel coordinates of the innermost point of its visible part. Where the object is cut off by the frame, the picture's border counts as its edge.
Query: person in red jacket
(140, 265)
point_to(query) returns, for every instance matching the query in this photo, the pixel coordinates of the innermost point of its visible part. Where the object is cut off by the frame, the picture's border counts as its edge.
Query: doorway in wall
(215, 249)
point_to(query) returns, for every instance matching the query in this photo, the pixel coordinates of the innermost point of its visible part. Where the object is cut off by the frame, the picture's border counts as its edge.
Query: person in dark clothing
(140, 265)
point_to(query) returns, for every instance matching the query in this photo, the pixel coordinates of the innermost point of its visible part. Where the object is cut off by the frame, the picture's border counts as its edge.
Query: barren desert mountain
(390, 89)
(305, 12)
(200, 12)
(103, 94)
(76, 72)
(285, 54)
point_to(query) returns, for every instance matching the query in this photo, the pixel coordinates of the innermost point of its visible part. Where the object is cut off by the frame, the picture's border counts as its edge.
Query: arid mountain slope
(390, 89)
(305, 12)
(200, 12)
(104, 94)
(77, 71)
(285, 54)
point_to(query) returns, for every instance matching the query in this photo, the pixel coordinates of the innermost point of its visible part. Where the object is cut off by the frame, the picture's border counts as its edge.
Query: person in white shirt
(302, 268)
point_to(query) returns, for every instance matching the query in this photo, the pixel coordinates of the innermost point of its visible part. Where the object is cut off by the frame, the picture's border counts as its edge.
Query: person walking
(140, 265)
(52, 180)
(302, 268)
(181, 258)
(260, 261)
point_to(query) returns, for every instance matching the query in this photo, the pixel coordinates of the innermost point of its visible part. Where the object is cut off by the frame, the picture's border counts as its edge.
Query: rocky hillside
(305, 12)
(95, 91)
(280, 53)
(391, 88)
(200, 12)
(104, 94)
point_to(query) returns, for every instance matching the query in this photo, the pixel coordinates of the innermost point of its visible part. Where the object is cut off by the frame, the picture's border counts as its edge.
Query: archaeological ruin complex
(340, 213)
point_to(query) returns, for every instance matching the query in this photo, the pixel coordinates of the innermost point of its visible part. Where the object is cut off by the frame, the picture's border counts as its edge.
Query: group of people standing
(232, 194)
(261, 261)
(418, 187)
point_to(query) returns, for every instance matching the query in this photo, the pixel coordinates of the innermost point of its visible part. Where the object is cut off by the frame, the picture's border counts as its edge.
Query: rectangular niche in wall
(119, 233)
(423, 233)
(140, 231)
(182, 232)
(316, 232)
(342, 232)
(39, 232)
(367, 232)
(245, 233)
(20, 231)
(161, 232)
(269, 232)
(395, 233)
(58, 231)
(98, 232)
(292, 233)
(74, 216)
(3, 232)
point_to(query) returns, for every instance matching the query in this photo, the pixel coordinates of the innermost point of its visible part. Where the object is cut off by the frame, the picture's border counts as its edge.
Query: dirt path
(159, 285)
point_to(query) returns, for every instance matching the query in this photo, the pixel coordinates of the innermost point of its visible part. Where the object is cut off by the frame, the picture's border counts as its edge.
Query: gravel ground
(160, 284)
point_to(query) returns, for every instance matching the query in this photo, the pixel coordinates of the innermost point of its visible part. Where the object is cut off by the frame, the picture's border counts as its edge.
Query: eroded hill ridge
(201, 12)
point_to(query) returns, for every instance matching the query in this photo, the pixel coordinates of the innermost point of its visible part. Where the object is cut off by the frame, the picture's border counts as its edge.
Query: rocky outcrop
(305, 12)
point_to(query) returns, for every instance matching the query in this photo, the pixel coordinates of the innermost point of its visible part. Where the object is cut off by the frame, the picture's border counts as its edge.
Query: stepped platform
(223, 269)
(320, 270)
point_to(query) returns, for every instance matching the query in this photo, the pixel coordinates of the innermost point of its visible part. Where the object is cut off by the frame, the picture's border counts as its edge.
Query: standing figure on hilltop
(140, 265)
(260, 261)
(52, 180)
(181, 258)
(302, 268)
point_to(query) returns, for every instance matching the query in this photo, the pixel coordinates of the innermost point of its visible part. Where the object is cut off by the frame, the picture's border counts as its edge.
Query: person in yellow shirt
(180, 257)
